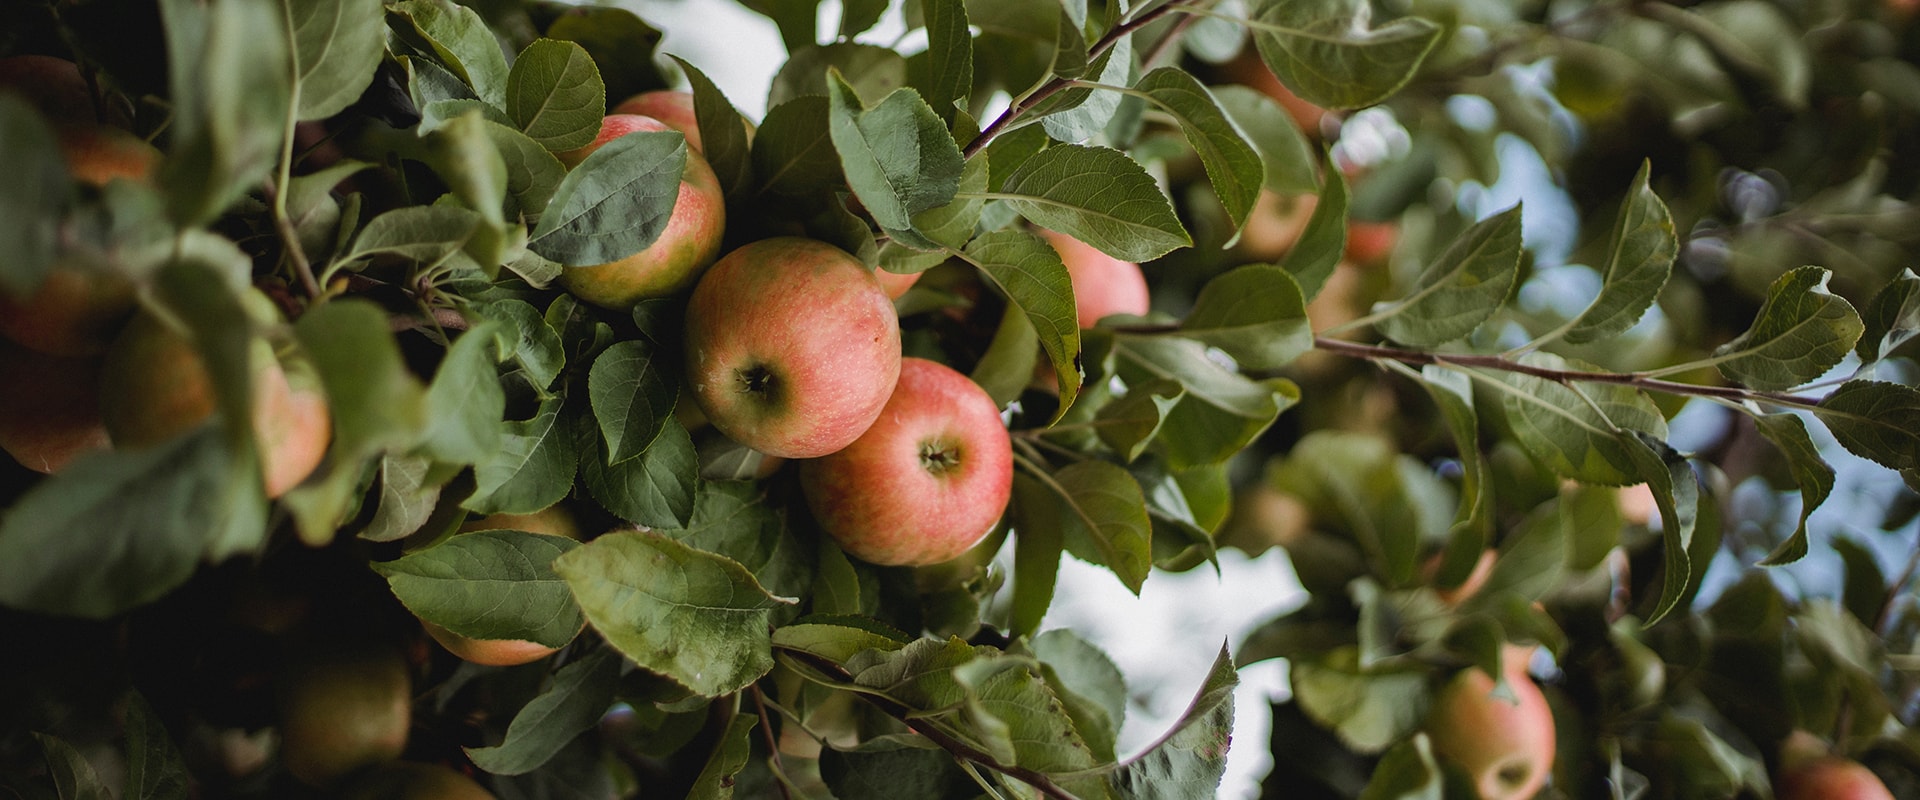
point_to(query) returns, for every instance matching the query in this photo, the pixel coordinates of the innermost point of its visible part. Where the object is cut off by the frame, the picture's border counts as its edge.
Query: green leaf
(1472, 525)
(1324, 242)
(1030, 273)
(336, 48)
(1327, 52)
(1407, 772)
(949, 57)
(1677, 493)
(227, 67)
(423, 234)
(555, 95)
(615, 203)
(459, 39)
(1638, 260)
(1105, 519)
(1810, 472)
(116, 530)
(633, 390)
(571, 704)
(656, 488)
(465, 401)
(528, 340)
(1801, 332)
(1255, 313)
(622, 45)
(1093, 690)
(882, 769)
(1357, 484)
(694, 617)
(898, 156)
(1129, 424)
(1286, 159)
(1558, 425)
(1012, 708)
(33, 197)
(1462, 288)
(716, 779)
(1231, 163)
(1039, 521)
(1082, 112)
(1892, 317)
(793, 152)
(1007, 367)
(1877, 421)
(495, 584)
(874, 71)
(533, 468)
(723, 132)
(408, 498)
(838, 639)
(1368, 710)
(1099, 196)
(953, 224)
(155, 769)
(1223, 410)
(730, 518)
(1188, 762)
(72, 775)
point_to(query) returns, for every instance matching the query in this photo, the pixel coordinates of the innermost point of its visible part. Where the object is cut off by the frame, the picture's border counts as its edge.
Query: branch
(773, 745)
(1561, 376)
(1054, 86)
(302, 268)
(959, 749)
(445, 318)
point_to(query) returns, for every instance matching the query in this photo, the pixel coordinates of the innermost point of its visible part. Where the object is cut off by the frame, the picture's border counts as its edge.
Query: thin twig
(773, 745)
(290, 238)
(1055, 85)
(445, 318)
(1562, 376)
(1038, 780)
(1894, 591)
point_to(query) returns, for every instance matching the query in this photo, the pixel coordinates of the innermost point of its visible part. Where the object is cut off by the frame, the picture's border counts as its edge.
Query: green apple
(1102, 285)
(1505, 747)
(407, 780)
(154, 387)
(673, 262)
(792, 347)
(343, 711)
(926, 482)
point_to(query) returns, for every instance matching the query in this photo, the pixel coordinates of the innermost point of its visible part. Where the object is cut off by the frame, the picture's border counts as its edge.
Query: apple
(53, 85)
(1102, 285)
(554, 520)
(1505, 747)
(154, 387)
(408, 780)
(78, 309)
(343, 711)
(675, 109)
(1482, 570)
(1810, 770)
(1369, 243)
(49, 408)
(1247, 69)
(673, 262)
(926, 482)
(1275, 224)
(792, 347)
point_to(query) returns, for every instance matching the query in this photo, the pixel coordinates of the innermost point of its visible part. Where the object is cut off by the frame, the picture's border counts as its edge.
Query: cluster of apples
(83, 367)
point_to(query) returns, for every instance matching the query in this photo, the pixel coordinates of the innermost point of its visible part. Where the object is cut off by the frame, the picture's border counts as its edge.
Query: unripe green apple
(154, 387)
(406, 780)
(554, 520)
(1102, 285)
(792, 347)
(1505, 747)
(49, 407)
(77, 310)
(673, 262)
(344, 711)
(1810, 770)
(673, 108)
(926, 482)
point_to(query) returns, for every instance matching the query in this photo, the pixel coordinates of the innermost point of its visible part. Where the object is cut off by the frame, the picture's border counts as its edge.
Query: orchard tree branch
(966, 752)
(1057, 84)
(1562, 376)
(773, 745)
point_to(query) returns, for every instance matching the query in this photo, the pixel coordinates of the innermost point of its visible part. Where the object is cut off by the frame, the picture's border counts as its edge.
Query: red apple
(1505, 747)
(155, 387)
(49, 407)
(926, 482)
(670, 107)
(673, 262)
(1102, 285)
(792, 347)
(1810, 770)
(1369, 243)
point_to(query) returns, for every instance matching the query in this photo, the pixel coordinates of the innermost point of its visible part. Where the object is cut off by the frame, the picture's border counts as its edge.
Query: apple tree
(355, 451)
